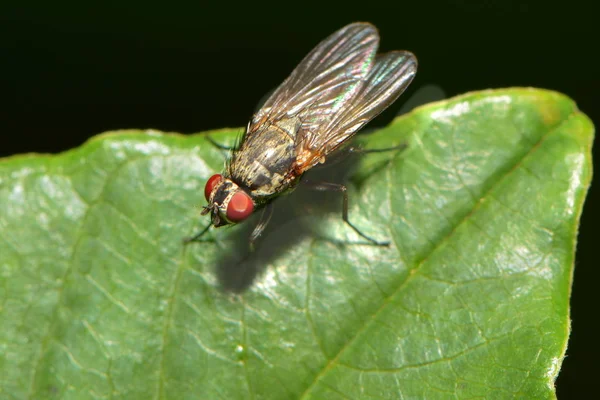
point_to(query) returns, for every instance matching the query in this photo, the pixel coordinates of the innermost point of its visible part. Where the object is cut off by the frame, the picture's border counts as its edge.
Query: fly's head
(227, 202)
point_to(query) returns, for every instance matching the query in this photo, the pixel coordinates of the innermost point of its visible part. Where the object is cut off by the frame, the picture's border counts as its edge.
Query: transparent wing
(325, 79)
(388, 78)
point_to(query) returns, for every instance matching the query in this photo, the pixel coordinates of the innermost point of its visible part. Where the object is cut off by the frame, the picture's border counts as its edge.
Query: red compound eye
(211, 183)
(240, 207)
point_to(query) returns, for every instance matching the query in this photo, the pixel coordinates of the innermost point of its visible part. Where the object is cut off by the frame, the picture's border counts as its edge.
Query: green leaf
(100, 299)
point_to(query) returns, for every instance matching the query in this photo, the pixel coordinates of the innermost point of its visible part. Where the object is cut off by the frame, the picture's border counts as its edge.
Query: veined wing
(387, 79)
(325, 80)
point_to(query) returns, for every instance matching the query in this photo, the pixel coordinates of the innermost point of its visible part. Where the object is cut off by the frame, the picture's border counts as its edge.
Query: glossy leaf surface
(100, 299)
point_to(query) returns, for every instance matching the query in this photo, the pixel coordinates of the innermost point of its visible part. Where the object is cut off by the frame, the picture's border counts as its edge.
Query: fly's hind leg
(360, 150)
(340, 155)
(336, 187)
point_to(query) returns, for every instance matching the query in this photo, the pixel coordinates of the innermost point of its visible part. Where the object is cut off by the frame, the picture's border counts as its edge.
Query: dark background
(72, 69)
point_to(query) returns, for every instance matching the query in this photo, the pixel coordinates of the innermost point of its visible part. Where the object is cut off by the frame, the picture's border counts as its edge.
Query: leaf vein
(367, 322)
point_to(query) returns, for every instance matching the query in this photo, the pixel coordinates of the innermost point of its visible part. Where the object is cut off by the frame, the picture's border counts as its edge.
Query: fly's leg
(219, 145)
(197, 236)
(336, 187)
(342, 154)
(360, 150)
(265, 217)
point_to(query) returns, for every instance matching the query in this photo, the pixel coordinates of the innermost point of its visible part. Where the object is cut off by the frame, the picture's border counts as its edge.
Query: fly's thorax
(228, 203)
(265, 159)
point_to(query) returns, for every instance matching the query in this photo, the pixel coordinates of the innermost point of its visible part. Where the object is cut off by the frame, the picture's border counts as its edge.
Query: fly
(335, 90)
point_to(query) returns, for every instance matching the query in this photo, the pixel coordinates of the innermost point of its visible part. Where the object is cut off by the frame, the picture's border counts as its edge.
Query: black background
(73, 69)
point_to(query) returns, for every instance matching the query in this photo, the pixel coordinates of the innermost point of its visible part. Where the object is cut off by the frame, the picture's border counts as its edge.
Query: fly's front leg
(265, 217)
(197, 236)
(336, 187)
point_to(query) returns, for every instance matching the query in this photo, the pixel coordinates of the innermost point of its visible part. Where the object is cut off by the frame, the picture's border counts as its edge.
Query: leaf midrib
(414, 271)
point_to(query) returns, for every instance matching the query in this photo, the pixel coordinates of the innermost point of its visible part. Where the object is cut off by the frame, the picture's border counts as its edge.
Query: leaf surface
(100, 299)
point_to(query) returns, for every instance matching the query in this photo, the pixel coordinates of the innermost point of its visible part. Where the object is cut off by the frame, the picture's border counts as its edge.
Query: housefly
(335, 90)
